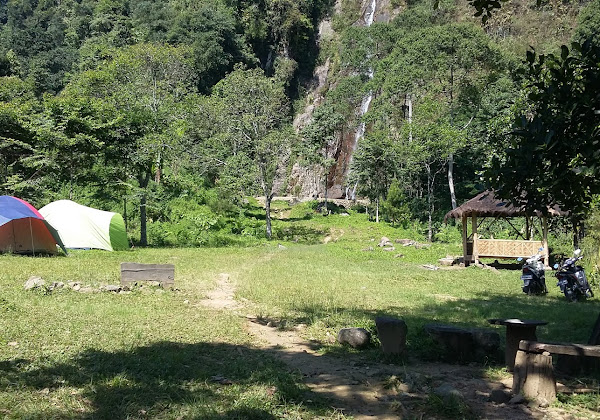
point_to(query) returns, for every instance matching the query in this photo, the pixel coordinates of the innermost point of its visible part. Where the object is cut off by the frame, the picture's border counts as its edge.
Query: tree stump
(534, 376)
(392, 334)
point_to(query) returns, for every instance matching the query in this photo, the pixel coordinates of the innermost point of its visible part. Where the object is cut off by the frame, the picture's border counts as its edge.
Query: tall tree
(553, 155)
(141, 96)
(253, 111)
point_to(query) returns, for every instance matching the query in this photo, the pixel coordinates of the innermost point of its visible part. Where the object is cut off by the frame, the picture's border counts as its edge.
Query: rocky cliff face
(309, 181)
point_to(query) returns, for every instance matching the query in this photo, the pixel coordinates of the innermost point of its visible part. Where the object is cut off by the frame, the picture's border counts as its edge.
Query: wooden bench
(534, 371)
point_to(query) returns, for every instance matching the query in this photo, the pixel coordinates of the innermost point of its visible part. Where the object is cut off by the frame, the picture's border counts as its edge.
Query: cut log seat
(464, 344)
(534, 371)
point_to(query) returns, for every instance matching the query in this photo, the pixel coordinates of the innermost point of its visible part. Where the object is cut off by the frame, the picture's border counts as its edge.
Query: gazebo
(486, 205)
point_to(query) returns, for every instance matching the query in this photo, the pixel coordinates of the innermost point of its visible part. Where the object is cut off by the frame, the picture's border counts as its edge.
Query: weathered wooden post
(475, 247)
(465, 239)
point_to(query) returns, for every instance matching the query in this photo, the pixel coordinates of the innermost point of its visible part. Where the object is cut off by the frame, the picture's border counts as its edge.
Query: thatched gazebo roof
(486, 204)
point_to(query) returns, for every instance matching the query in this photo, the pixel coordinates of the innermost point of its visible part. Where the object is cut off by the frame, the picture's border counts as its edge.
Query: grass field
(160, 354)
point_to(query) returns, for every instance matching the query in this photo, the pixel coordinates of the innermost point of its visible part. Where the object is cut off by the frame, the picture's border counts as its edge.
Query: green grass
(151, 354)
(160, 354)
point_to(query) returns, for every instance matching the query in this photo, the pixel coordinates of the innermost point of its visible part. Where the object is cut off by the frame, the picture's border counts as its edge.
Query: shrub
(449, 234)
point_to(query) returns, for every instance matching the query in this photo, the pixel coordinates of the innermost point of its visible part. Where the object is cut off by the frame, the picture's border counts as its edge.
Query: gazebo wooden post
(474, 229)
(465, 238)
(545, 241)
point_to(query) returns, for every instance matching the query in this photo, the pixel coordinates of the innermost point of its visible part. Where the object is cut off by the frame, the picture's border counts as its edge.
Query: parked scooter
(533, 276)
(572, 279)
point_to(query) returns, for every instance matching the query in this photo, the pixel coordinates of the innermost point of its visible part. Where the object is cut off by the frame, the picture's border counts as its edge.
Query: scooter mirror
(555, 266)
(577, 252)
(519, 259)
(540, 249)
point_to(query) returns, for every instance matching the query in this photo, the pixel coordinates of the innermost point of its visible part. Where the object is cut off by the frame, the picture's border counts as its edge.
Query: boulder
(56, 285)
(384, 242)
(392, 334)
(500, 396)
(448, 393)
(355, 337)
(447, 261)
(34, 282)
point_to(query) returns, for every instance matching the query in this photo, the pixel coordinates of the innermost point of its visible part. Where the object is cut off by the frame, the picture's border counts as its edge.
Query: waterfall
(370, 13)
(364, 106)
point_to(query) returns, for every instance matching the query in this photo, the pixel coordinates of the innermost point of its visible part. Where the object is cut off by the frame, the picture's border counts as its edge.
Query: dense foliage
(173, 111)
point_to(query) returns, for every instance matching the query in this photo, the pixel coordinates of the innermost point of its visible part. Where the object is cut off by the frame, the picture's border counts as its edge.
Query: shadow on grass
(192, 381)
(224, 381)
(567, 321)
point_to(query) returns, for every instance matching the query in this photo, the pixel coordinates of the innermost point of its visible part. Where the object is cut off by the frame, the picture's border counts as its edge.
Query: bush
(298, 233)
(449, 234)
(395, 208)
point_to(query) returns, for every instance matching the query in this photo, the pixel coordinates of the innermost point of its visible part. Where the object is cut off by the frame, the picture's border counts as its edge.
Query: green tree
(140, 99)
(395, 208)
(429, 141)
(374, 166)
(553, 155)
(588, 27)
(252, 113)
(18, 149)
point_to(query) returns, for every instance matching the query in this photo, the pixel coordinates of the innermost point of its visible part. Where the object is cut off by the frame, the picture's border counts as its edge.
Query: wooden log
(132, 273)
(534, 376)
(560, 348)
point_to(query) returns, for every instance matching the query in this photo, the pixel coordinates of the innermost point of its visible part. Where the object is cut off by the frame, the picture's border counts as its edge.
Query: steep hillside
(519, 25)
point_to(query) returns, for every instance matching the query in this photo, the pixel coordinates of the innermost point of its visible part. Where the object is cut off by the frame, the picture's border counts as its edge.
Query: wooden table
(516, 330)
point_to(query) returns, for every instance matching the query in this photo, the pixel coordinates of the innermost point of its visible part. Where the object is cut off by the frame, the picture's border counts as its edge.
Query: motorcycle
(533, 275)
(572, 279)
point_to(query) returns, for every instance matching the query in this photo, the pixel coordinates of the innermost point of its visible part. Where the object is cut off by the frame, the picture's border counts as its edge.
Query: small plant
(450, 406)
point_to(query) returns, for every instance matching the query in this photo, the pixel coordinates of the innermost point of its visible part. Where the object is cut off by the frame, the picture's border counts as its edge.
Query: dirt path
(366, 390)
(222, 296)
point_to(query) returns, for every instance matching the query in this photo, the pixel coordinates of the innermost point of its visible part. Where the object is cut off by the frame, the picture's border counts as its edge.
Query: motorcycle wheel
(526, 289)
(571, 295)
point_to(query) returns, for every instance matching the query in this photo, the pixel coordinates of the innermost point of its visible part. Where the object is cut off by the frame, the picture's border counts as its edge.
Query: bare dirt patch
(366, 390)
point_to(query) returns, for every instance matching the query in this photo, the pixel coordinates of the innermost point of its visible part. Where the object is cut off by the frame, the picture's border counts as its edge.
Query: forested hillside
(173, 111)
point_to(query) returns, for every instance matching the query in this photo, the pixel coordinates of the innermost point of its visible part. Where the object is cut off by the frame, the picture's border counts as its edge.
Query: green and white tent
(82, 227)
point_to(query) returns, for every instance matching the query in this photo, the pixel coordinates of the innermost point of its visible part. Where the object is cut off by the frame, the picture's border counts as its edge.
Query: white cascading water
(364, 106)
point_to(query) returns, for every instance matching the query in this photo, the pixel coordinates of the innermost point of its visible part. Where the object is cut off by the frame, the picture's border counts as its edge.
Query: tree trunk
(410, 115)
(325, 194)
(158, 170)
(429, 204)
(451, 180)
(143, 180)
(268, 198)
(377, 210)
(577, 229)
(125, 213)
